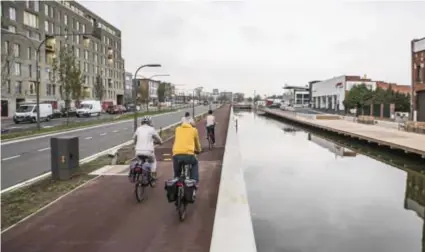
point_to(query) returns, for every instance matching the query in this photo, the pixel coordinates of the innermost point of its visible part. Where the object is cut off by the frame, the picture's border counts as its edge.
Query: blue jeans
(187, 159)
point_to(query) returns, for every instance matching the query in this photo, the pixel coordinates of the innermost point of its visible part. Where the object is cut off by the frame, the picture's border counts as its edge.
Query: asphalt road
(27, 159)
(8, 126)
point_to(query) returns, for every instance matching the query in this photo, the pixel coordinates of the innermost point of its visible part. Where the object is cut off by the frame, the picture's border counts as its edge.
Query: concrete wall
(232, 229)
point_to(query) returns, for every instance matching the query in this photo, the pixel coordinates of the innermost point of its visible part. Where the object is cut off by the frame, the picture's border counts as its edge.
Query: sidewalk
(105, 216)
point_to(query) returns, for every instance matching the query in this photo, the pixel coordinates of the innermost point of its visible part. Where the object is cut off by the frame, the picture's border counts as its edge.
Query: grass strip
(75, 125)
(20, 203)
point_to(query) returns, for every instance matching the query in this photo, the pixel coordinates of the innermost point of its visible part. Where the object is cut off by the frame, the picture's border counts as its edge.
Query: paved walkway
(399, 139)
(104, 215)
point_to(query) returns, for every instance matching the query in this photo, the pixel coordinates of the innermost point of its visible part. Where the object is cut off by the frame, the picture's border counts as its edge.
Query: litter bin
(64, 157)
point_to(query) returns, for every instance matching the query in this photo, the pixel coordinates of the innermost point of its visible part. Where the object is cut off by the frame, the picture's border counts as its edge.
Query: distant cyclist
(188, 119)
(210, 125)
(144, 138)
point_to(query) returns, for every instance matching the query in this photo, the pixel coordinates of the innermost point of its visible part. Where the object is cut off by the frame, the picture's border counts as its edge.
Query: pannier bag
(171, 189)
(190, 190)
(135, 168)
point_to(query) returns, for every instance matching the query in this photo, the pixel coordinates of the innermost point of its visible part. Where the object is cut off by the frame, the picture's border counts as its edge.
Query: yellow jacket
(186, 140)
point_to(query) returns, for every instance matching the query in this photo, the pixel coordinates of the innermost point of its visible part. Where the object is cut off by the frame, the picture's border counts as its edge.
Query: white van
(28, 113)
(89, 108)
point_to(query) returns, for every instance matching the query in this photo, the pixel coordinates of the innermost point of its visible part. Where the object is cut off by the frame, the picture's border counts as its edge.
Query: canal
(310, 192)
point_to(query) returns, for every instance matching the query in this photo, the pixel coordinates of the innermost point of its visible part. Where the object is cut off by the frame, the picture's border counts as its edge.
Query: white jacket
(144, 137)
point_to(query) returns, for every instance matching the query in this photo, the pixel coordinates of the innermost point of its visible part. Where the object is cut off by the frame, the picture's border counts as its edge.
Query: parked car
(116, 109)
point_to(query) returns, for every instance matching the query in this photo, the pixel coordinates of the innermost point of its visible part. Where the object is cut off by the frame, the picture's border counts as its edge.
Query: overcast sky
(261, 45)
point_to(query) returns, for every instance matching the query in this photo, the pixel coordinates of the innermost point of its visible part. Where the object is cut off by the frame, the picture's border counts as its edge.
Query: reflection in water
(303, 199)
(333, 147)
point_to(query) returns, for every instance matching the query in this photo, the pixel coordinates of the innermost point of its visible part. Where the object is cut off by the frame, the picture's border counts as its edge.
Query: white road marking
(48, 126)
(48, 148)
(8, 158)
(61, 132)
(88, 138)
(103, 134)
(115, 131)
(125, 128)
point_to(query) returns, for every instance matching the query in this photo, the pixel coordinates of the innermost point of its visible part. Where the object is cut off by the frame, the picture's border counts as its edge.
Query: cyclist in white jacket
(144, 138)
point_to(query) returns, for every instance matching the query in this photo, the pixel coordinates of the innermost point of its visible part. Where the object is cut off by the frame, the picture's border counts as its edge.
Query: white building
(330, 94)
(296, 96)
(153, 89)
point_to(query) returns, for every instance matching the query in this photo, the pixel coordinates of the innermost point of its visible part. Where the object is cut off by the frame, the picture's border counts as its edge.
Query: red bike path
(104, 215)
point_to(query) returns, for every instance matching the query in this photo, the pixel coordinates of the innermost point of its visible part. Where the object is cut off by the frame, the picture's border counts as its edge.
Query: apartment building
(418, 79)
(25, 24)
(150, 86)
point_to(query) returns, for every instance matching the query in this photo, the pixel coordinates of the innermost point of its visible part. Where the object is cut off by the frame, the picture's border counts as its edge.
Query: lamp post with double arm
(135, 89)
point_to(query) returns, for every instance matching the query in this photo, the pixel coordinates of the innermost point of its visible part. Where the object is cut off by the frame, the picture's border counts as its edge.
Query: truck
(27, 112)
(89, 108)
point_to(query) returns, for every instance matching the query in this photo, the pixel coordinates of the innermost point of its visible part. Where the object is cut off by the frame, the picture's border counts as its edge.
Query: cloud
(247, 45)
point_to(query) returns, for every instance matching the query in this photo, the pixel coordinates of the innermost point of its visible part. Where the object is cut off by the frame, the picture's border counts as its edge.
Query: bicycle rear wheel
(181, 206)
(139, 191)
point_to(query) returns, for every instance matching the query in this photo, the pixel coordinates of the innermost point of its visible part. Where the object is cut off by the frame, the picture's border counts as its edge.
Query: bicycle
(184, 194)
(210, 140)
(143, 178)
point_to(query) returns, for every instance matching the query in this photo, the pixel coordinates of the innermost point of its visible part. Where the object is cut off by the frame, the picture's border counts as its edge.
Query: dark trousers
(187, 159)
(212, 130)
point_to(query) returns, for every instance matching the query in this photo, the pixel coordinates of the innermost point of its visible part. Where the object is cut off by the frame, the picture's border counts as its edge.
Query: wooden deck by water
(410, 142)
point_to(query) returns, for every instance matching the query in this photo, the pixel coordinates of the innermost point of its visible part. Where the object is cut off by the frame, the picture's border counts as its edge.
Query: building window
(18, 87)
(419, 73)
(32, 87)
(48, 89)
(46, 9)
(12, 28)
(46, 26)
(77, 39)
(86, 66)
(86, 54)
(27, 4)
(12, 13)
(16, 50)
(17, 69)
(65, 19)
(30, 71)
(77, 52)
(77, 25)
(6, 47)
(29, 53)
(8, 87)
(36, 5)
(83, 27)
(31, 20)
(53, 89)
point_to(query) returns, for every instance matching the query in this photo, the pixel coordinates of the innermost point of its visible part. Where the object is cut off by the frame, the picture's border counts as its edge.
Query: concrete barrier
(232, 229)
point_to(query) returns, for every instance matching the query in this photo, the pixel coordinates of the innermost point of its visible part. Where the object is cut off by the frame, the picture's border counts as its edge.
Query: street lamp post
(135, 90)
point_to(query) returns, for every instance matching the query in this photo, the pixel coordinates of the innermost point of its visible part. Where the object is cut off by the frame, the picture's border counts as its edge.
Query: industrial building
(418, 79)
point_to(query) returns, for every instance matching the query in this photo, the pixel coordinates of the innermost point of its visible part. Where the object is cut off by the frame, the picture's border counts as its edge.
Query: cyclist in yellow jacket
(186, 144)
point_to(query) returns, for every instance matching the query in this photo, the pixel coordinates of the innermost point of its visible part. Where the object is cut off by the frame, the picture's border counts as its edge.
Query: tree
(99, 88)
(7, 63)
(161, 91)
(358, 96)
(257, 98)
(69, 76)
(249, 99)
(143, 94)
